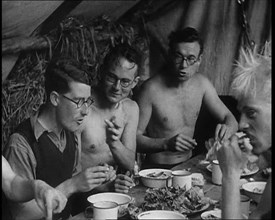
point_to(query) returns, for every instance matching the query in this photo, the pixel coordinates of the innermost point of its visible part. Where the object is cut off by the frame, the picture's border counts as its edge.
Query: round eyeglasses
(125, 83)
(190, 60)
(80, 102)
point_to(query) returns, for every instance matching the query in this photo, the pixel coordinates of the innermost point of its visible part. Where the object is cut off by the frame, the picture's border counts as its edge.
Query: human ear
(199, 58)
(136, 80)
(54, 98)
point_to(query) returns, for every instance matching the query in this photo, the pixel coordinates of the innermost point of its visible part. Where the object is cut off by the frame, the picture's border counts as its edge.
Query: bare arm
(20, 156)
(122, 143)
(19, 189)
(145, 143)
(15, 187)
(231, 160)
(228, 124)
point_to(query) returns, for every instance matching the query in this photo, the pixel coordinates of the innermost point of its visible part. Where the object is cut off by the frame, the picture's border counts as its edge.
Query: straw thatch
(86, 41)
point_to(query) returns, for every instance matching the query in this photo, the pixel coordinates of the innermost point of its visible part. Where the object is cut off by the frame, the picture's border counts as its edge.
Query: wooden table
(211, 190)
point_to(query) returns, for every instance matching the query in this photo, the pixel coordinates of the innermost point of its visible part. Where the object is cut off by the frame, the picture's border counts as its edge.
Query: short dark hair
(187, 34)
(63, 70)
(121, 50)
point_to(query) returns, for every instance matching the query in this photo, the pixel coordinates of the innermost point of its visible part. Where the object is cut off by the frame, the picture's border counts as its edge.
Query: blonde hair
(252, 75)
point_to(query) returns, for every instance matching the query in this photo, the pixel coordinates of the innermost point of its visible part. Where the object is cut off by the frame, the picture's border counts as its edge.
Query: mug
(182, 178)
(216, 173)
(245, 205)
(105, 210)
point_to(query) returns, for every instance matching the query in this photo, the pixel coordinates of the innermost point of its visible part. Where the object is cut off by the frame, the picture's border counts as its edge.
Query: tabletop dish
(123, 200)
(161, 214)
(254, 190)
(246, 172)
(212, 214)
(187, 202)
(155, 178)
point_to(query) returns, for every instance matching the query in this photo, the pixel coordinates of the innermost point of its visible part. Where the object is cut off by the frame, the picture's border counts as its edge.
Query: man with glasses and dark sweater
(47, 145)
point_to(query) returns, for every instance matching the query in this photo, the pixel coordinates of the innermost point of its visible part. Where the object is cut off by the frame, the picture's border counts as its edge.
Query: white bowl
(155, 182)
(254, 190)
(121, 199)
(161, 214)
(216, 213)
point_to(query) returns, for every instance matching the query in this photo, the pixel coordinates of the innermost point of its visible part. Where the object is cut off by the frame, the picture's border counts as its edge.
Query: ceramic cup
(182, 178)
(216, 173)
(105, 210)
(245, 205)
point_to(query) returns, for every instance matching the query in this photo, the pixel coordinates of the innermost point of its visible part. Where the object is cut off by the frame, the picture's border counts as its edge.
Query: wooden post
(15, 45)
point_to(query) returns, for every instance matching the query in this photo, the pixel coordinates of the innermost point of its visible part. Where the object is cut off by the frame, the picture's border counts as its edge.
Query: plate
(253, 171)
(212, 214)
(206, 206)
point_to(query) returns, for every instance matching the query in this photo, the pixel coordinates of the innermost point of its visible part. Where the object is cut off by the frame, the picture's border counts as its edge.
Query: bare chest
(174, 112)
(94, 135)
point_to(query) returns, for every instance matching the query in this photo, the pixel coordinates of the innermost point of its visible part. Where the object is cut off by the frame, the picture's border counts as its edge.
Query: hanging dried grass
(86, 41)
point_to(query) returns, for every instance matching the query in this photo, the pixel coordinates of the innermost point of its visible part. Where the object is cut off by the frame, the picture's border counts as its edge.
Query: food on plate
(266, 172)
(249, 169)
(159, 175)
(174, 199)
(197, 179)
(258, 190)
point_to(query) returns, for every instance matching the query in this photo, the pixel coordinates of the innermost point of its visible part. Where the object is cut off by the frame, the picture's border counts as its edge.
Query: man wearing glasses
(170, 102)
(109, 134)
(46, 146)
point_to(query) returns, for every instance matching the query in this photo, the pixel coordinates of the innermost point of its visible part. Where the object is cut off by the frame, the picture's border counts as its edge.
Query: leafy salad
(172, 198)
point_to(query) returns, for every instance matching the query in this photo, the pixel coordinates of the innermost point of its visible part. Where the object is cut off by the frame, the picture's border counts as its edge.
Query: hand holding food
(90, 178)
(222, 132)
(231, 158)
(110, 173)
(123, 183)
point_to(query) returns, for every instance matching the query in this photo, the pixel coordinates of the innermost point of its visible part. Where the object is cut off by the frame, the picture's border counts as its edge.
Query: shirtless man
(110, 132)
(170, 102)
(252, 88)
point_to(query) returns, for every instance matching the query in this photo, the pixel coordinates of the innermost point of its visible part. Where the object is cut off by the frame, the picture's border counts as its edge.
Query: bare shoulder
(149, 89)
(129, 105)
(202, 79)
(150, 85)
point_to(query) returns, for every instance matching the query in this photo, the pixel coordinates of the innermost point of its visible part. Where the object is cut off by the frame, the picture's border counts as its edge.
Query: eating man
(109, 134)
(47, 145)
(252, 88)
(170, 102)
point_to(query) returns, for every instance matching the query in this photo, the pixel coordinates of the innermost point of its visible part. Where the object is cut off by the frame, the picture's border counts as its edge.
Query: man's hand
(114, 130)
(181, 142)
(223, 132)
(123, 183)
(49, 200)
(90, 178)
(111, 174)
(231, 158)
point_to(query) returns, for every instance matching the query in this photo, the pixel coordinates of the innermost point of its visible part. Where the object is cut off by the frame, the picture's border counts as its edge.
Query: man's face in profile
(255, 121)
